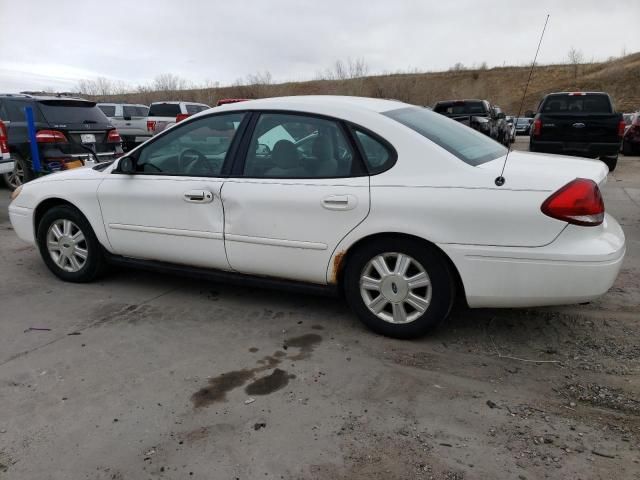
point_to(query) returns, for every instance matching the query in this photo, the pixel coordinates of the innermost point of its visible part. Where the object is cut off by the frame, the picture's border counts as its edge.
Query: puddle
(269, 384)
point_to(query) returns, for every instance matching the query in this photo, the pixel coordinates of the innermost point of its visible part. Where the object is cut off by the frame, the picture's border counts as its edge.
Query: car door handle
(198, 196)
(340, 202)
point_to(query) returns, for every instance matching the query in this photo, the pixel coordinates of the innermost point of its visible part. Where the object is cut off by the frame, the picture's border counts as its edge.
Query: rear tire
(399, 287)
(69, 246)
(611, 162)
(21, 174)
(627, 149)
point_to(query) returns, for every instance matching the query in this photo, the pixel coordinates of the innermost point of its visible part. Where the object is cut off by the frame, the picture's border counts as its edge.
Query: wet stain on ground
(220, 385)
(269, 384)
(317, 327)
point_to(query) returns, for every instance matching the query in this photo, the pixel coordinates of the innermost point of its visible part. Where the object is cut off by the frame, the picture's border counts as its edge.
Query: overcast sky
(53, 45)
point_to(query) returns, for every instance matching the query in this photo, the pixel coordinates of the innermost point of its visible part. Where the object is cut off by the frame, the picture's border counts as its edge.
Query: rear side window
(15, 110)
(108, 110)
(134, 111)
(191, 109)
(465, 143)
(164, 110)
(71, 111)
(377, 156)
(567, 103)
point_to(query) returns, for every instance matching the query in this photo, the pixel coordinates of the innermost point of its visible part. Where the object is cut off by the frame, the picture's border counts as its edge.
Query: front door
(170, 210)
(301, 190)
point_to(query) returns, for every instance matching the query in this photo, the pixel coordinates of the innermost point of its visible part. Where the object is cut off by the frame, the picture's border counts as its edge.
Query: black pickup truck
(584, 124)
(477, 114)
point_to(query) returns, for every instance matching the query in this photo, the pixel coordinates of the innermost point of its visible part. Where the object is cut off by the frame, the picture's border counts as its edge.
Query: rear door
(578, 118)
(298, 190)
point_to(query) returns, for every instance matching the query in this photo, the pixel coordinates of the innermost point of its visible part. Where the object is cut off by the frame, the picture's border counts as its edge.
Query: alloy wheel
(395, 287)
(15, 178)
(67, 245)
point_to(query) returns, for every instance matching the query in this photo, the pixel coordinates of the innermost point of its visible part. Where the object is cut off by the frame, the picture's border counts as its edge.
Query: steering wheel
(184, 164)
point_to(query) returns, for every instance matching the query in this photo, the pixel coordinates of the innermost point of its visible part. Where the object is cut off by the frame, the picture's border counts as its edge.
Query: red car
(631, 139)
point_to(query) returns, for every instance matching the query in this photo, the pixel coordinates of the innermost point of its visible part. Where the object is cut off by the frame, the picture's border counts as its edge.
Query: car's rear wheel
(627, 149)
(68, 245)
(399, 287)
(611, 162)
(20, 175)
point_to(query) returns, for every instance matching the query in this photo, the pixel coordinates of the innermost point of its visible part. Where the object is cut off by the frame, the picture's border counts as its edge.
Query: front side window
(108, 110)
(298, 146)
(465, 143)
(198, 148)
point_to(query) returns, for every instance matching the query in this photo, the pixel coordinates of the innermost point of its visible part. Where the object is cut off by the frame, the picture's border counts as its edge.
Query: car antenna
(500, 179)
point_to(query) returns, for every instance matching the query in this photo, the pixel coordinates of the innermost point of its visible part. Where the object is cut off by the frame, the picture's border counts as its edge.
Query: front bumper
(22, 222)
(579, 266)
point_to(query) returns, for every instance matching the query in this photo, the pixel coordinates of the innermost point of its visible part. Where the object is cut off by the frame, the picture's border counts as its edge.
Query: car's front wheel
(399, 287)
(68, 245)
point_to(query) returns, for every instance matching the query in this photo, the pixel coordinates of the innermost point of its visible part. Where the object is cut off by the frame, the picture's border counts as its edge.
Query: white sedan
(394, 205)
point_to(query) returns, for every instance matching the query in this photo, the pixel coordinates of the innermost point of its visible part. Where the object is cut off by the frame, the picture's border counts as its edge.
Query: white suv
(130, 120)
(165, 114)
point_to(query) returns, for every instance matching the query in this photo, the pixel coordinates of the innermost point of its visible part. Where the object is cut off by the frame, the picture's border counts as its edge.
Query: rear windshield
(465, 143)
(523, 121)
(71, 111)
(568, 103)
(459, 108)
(134, 111)
(164, 110)
(108, 110)
(191, 109)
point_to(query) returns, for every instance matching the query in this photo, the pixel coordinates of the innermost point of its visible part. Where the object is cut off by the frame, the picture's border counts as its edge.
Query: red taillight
(4, 146)
(537, 127)
(50, 136)
(621, 128)
(151, 125)
(114, 136)
(181, 116)
(579, 202)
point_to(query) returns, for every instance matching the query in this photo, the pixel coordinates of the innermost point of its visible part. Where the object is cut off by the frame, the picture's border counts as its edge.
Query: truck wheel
(611, 162)
(627, 151)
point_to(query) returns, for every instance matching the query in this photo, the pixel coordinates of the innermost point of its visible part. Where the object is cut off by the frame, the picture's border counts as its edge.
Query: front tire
(69, 246)
(627, 149)
(399, 287)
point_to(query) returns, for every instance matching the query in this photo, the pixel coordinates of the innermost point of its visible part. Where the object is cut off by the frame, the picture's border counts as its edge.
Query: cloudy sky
(54, 45)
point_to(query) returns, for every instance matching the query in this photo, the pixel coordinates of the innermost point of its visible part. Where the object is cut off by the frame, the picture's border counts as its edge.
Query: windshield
(460, 107)
(465, 143)
(59, 112)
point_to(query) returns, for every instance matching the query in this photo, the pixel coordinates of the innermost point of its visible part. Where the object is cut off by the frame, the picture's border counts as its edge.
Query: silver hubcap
(16, 177)
(67, 246)
(395, 287)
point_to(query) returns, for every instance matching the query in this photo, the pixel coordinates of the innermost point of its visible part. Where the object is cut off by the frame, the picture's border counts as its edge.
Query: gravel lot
(142, 376)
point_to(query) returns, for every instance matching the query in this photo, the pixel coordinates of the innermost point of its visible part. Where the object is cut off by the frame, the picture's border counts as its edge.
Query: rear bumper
(6, 166)
(22, 222)
(591, 150)
(579, 266)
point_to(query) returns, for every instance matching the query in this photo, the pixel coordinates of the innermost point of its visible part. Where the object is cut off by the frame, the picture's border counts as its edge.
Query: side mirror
(127, 117)
(127, 165)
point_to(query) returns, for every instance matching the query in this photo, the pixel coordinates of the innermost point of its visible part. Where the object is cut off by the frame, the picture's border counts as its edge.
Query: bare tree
(168, 82)
(575, 58)
(458, 67)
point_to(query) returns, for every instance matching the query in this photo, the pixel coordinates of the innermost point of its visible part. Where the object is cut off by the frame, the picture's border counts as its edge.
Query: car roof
(38, 98)
(311, 102)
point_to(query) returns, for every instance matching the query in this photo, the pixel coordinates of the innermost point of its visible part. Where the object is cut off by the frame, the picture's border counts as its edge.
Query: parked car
(391, 204)
(503, 126)
(627, 117)
(69, 132)
(511, 121)
(6, 162)
(477, 114)
(578, 123)
(130, 120)
(165, 114)
(523, 126)
(631, 139)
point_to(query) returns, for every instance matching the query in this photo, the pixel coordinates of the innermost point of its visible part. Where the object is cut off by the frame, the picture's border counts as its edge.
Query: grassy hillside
(502, 86)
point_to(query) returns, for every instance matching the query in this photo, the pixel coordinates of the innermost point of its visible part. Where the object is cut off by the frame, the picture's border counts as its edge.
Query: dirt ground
(141, 376)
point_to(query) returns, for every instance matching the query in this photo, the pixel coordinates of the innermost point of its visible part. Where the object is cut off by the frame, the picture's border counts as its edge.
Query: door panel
(289, 228)
(159, 218)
